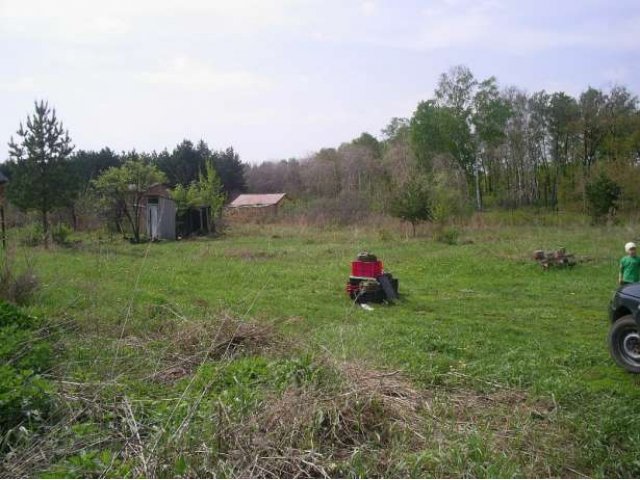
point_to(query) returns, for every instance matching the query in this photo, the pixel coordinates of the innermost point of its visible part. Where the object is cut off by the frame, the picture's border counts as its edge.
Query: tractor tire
(624, 343)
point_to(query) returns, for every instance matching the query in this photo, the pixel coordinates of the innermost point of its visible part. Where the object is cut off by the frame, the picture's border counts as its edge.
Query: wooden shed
(255, 205)
(158, 215)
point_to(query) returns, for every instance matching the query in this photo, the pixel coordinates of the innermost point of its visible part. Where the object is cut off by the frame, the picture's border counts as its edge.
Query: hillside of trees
(476, 144)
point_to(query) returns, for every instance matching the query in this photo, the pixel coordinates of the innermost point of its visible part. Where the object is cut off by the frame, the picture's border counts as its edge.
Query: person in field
(629, 266)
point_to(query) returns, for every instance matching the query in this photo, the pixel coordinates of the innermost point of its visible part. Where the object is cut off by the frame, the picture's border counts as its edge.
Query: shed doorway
(153, 218)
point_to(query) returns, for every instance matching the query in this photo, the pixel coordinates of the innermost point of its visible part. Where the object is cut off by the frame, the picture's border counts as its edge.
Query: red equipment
(367, 269)
(368, 281)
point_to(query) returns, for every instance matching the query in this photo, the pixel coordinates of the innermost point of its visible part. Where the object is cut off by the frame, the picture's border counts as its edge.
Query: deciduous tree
(123, 188)
(206, 192)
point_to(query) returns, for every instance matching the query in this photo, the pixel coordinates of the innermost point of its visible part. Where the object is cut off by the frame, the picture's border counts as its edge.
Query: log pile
(558, 258)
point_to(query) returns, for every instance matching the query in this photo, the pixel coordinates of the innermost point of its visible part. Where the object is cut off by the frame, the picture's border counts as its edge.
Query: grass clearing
(243, 356)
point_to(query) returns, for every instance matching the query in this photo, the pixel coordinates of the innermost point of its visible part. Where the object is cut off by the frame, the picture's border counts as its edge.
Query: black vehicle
(624, 334)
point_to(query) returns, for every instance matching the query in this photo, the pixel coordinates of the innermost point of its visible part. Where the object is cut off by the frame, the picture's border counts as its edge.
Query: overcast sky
(278, 79)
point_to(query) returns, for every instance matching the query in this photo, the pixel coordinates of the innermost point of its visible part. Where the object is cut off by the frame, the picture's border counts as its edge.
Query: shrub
(413, 202)
(61, 233)
(32, 235)
(449, 236)
(24, 394)
(18, 289)
(602, 195)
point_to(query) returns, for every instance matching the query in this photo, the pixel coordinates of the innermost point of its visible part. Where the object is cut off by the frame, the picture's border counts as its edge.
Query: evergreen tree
(602, 195)
(231, 171)
(41, 177)
(413, 202)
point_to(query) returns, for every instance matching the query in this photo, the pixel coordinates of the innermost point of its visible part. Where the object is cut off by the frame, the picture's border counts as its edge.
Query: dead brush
(18, 288)
(223, 338)
(311, 432)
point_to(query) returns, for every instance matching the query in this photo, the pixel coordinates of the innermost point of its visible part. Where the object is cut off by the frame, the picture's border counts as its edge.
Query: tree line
(475, 144)
(46, 175)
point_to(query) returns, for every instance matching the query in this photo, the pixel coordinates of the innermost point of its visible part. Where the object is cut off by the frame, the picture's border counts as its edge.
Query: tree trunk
(478, 197)
(134, 230)
(135, 221)
(4, 230)
(45, 229)
(74, 218)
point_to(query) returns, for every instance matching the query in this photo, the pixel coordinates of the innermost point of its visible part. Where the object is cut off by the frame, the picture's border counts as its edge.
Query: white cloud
(20, 84)
(491, 25)
(85, 21)
(190, 73)
(69, 20)
(368, 7)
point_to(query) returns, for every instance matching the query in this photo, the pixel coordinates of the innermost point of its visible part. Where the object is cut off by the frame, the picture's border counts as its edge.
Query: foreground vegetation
(242, 356)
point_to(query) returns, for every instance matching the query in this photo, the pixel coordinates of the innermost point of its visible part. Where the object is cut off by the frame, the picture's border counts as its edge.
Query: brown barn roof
(257, 200)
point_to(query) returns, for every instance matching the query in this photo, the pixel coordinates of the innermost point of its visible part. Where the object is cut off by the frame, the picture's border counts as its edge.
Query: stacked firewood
(557, 258)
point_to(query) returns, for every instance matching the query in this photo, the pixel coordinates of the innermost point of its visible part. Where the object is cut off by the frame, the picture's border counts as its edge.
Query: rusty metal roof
(257, 200)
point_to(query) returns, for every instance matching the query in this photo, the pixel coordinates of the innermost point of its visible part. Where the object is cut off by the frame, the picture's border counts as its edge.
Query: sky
(282, 78)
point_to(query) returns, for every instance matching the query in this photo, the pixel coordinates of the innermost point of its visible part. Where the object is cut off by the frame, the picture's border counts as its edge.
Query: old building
(158, 214)
(255, 206)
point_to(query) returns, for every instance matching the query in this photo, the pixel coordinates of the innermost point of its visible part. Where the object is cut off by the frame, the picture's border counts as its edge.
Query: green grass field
(487, 366)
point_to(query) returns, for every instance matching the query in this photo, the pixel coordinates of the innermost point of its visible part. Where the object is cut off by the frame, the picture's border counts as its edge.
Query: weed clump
(195, 342)
(60, 234)
(448, 236)
(317, 430)
(17, 288)
(24, 355)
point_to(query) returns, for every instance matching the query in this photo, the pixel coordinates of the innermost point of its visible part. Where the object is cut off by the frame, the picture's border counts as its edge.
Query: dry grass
(312, 432)
(194, 342)
(16, 287)
(374, 414)
(316, 429)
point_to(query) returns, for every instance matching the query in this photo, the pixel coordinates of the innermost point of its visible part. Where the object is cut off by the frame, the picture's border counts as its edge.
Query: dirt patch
(172, 374)
(515, 401)
(249, 255)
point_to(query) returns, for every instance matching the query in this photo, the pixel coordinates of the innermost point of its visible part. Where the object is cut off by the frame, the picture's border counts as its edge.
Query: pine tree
(41, 177)
(413, 202)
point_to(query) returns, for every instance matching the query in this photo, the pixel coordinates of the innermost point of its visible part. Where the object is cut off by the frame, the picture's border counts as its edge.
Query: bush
(449, 236)
(602, 195)
(24, 394)
(32, 235)
(413, 202)
(18, 289)
(61, 233)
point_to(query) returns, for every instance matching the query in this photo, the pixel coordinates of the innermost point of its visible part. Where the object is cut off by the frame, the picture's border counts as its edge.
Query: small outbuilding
(254, 205)
(158, 216)
(161, 219)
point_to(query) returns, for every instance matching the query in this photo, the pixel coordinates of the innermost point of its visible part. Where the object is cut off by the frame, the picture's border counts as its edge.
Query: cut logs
(558, 258)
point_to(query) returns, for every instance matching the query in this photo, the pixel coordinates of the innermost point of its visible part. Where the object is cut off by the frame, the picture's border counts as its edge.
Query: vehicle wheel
(624, 343)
